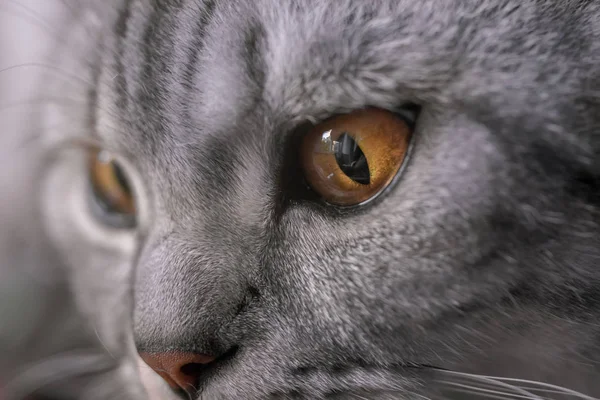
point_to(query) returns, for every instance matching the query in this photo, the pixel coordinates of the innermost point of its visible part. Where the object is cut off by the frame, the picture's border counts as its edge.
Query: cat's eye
(351, 158)
(113, 198)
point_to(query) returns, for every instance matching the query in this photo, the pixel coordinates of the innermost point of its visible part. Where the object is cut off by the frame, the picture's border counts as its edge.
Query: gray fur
(483, 258)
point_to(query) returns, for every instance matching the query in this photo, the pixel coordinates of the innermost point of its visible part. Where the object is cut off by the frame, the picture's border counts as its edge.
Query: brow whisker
(55, 101)
(40, 101)
(34, 16)
(49, 67)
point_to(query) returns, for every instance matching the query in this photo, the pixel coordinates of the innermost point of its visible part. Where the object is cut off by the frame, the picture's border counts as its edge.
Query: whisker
(66, 74)
(41, 101)
(56, 369)
(36, 19)
(477, 393)
(54, 149)
(482, 384)
(32, 14)
(549, 386)
(540, 387)
(70, 77)
(416, 394)
(102, 343)
(358, 396)
(492, 381)
(541, 390)
(17, 14)
(490, 391)
(55, 101)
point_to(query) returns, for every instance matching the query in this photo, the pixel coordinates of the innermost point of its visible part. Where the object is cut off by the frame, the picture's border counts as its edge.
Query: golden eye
(351, 158)
(111, 190)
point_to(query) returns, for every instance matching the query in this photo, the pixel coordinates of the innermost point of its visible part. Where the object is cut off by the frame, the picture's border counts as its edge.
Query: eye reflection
(326, 144)
(351, 159)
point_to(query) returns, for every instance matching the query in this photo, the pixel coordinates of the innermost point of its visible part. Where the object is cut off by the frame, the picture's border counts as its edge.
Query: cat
(393, 199)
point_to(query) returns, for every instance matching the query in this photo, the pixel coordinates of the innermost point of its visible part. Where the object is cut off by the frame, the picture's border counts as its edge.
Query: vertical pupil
(351, 159)
(121, 178)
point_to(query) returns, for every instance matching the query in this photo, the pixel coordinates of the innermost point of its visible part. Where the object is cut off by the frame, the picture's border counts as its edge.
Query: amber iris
(351, 158)
(110, 185)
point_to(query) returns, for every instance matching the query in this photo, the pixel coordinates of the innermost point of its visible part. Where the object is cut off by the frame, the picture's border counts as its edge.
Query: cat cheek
(90, 251)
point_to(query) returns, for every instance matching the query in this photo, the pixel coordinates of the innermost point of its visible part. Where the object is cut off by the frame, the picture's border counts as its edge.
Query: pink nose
(180, 370)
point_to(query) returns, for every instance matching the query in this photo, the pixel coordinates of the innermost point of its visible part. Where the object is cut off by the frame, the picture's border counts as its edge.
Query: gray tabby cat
(392, 199)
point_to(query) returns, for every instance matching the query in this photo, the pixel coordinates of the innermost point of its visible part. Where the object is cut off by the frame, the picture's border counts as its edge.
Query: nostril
(193, 369)
(179, 370)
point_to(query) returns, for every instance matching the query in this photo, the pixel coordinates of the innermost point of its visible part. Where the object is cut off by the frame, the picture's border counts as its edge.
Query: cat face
(476, 261)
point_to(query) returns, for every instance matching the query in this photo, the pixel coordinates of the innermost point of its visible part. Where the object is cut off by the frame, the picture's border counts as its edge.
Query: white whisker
(478, 393)
(541, 390)
(417, 395)
(490, 391)
(495, 382)
(56, 369)
(33, 15)
(550, 386)
(102, 343)
(540, 387)
(54, 68)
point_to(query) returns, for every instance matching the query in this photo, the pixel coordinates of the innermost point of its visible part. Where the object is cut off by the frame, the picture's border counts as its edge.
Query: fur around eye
(352, 158)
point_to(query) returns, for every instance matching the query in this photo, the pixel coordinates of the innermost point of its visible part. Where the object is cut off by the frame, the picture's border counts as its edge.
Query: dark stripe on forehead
(217, 166)
(195, 47)
(120, 29)
(220, 160)
(96, 68)
(254, 38)
(197, 43)
(158, 44)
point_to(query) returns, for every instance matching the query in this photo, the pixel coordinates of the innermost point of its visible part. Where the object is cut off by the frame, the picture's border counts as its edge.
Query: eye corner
(409, 112)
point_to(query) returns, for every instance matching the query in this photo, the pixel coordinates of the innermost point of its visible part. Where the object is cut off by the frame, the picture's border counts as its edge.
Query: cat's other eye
(113, 201)
(351, 158)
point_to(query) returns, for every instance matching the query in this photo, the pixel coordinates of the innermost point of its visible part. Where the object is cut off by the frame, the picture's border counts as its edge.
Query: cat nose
(180, 370)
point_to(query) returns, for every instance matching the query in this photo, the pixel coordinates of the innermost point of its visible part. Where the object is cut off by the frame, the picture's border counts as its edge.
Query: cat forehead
(190, 71)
